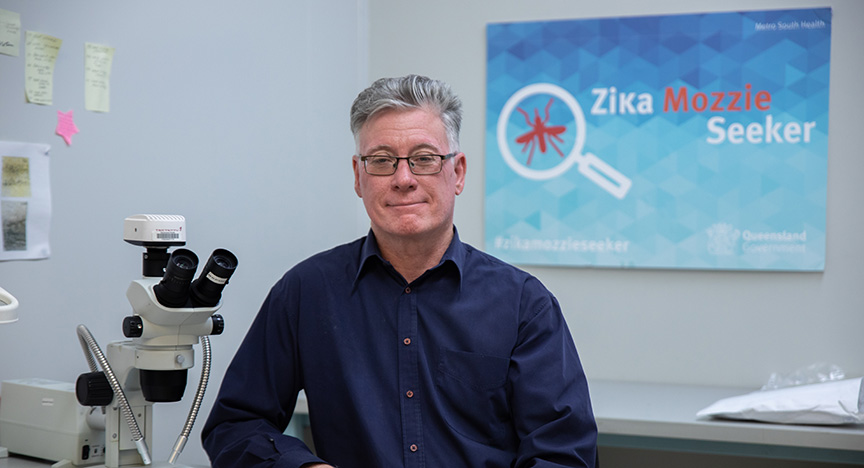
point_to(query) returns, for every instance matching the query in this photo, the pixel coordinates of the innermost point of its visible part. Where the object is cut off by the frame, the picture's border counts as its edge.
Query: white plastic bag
(814, 373)
(827, 403)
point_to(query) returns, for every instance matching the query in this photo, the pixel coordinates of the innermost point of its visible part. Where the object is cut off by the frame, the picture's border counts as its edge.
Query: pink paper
(66, 126)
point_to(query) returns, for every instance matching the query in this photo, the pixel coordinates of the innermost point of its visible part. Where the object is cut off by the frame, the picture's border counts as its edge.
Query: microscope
(170, 313)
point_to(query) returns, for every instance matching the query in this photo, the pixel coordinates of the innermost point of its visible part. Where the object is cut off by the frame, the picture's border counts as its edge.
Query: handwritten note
(10, 32)
(97, 77)
(40, 55)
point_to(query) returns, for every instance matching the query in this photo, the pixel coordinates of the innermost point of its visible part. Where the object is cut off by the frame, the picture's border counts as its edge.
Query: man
(414, 349)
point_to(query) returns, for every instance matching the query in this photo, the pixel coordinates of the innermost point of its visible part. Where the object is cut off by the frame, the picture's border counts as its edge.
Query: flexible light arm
(196, 405)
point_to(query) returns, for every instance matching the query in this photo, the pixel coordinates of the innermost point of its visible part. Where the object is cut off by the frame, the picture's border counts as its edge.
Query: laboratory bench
(18, 461)
(663, 417)
(15, 461)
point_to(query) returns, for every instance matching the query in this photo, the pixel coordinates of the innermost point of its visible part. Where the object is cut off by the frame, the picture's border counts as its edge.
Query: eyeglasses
(420, 164)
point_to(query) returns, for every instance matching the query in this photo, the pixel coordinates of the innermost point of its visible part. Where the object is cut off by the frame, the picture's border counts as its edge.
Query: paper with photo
(25, 201)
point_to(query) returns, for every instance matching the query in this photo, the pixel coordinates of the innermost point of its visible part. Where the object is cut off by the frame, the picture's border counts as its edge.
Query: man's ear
(460, 166)
(355, 163)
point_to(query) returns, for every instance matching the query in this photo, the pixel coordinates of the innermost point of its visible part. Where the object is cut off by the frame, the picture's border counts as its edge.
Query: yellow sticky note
(97, 77)
(40, 55)
(10, 32)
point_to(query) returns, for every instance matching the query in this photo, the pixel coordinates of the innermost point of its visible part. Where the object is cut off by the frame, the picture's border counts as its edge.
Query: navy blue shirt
(471, 365)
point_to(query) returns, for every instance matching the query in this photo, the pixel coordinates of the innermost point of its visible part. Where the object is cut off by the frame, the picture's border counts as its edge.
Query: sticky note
(97, 77)
(40, 55)
(10, 32)
(66, 126)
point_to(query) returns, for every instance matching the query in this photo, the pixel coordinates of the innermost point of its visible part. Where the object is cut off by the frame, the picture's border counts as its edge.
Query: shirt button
(414, 447)
(407, 341)
(409, 394)
(408, 290)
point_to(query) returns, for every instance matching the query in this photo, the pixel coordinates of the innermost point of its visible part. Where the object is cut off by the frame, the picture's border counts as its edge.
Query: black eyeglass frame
(443, 157)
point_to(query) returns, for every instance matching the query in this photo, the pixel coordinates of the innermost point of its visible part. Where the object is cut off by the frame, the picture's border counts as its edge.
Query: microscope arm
(87, 339)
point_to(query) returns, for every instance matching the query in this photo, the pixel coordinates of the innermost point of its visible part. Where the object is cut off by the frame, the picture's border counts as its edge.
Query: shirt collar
(455, 255)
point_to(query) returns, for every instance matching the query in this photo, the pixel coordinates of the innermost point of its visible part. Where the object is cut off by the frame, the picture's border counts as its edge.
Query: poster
(25, 201)
(695, 141)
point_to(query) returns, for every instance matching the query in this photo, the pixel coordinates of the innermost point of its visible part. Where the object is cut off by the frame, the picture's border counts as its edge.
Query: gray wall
(232, 114)
(696, 327)
(236, 117)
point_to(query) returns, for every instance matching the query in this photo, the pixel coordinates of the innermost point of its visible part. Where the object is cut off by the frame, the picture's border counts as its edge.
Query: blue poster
(695, 141)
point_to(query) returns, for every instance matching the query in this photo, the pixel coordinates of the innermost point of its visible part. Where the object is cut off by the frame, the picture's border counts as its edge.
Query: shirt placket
(409, 379)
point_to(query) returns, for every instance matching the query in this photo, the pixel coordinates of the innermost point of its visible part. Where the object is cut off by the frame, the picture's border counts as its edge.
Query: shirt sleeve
(258, 393)
(550, 399)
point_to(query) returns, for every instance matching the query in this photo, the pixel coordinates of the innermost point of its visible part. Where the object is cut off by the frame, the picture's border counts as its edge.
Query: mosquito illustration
(540, 133)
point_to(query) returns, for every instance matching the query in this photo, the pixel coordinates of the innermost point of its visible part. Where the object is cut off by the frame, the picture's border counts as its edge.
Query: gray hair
(409, 92)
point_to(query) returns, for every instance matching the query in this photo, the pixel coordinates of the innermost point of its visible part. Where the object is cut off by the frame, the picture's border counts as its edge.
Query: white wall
(234, 114)
(699, 327)
(236, 117)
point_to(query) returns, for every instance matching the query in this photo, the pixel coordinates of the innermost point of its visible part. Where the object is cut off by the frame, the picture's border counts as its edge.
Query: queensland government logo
(722, 239)
(545, 125)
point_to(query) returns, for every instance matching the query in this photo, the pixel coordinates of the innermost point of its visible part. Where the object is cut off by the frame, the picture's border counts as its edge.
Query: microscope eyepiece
(173, 290)
(206, 291)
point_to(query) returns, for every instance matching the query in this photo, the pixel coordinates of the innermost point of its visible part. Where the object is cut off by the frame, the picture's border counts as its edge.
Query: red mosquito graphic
(540, 133)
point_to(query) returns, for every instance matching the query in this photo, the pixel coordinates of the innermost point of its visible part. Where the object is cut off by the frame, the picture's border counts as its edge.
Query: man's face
(406, 206)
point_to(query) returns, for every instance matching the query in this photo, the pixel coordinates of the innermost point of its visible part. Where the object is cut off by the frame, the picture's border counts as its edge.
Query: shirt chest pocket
(473, 393)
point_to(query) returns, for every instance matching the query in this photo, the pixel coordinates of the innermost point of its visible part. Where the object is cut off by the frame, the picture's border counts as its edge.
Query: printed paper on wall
(25, 201)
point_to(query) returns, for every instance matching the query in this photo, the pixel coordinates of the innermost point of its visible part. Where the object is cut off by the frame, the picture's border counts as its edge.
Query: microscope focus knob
(93, 389)
(133, 327)
(218, 324)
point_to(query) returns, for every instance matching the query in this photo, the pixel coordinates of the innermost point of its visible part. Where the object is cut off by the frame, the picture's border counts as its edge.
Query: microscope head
(170, 310)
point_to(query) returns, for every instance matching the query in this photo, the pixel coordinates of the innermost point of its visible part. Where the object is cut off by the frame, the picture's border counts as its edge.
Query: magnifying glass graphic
(589, 165)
